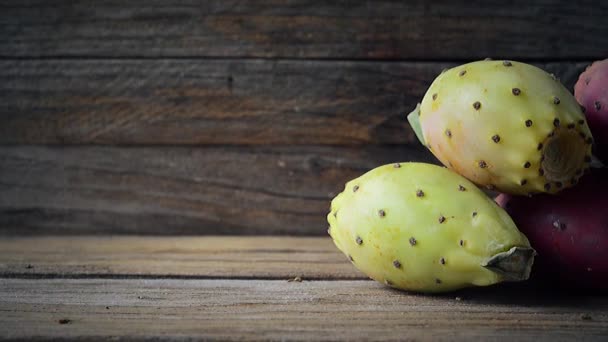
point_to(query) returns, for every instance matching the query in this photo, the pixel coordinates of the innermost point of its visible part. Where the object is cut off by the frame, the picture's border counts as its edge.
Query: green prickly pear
(421, 227)
(505, 125)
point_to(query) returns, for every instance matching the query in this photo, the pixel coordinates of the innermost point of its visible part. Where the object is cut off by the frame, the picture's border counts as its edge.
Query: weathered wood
(305, 29)
(257, 257)
(179, 190)
(215, 101)
(280, 310)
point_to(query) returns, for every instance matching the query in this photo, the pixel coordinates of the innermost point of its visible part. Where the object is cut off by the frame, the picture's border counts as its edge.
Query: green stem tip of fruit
(513, 265)
(414, 119)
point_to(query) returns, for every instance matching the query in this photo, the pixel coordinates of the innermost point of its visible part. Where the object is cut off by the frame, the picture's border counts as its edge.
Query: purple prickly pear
(591, 91)
(569, 230)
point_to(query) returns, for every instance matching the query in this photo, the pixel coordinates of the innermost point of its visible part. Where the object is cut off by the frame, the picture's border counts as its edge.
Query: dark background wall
(232, 117)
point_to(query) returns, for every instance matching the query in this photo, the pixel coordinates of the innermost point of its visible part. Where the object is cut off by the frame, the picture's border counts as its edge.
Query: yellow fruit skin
(421, 227)
(506, 125)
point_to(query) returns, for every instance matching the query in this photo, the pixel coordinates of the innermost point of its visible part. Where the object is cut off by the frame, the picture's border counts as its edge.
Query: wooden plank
(256, 257)
(216, 101)
(280, 310)
(179, 190)
(387, 29)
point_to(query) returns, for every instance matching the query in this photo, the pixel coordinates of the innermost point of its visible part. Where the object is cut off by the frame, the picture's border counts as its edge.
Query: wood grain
(386, 29)
(180, 190)
(280, 310)
(252, 257)
(216, 101)
(209, 101)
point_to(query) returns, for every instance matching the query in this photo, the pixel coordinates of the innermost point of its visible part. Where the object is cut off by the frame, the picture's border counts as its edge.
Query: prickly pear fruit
(569, 230)
(421, 227)
(505, 125)
(591, 91)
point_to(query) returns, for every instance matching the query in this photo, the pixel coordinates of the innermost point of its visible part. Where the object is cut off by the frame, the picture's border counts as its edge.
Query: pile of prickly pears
(504, 126)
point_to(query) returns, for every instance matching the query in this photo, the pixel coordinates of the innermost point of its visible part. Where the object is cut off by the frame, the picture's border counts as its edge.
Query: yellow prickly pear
(421, 227)
(505, 125)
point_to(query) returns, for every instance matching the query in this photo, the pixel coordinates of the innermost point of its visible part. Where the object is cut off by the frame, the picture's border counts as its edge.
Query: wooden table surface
(243, 288)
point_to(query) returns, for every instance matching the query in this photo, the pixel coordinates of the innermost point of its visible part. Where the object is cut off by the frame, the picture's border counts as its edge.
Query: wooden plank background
(178, 190)
(235, 117)
(384, 29)
(210, 102)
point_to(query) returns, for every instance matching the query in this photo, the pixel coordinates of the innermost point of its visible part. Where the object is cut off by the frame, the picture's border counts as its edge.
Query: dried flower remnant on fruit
(413, 241)
(358, 240)
(419, 193)
(396, 263)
